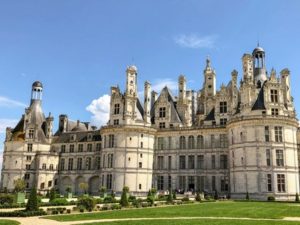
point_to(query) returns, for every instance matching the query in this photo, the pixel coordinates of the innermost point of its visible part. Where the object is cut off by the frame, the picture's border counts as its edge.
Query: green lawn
(196, 222)
(272, 210)
(8, 222)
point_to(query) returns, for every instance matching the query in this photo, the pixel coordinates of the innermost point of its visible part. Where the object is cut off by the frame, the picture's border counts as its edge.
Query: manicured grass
(196, 222)
(9, 222)
(272, 210)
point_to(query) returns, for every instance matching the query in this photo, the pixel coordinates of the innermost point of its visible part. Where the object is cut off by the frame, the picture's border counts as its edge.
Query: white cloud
(100, 110)
(159, 84)
(7, 123)
(195, 41)
(7, 102)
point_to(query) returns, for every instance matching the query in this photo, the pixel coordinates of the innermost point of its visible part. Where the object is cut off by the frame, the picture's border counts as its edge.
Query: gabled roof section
(260, 101)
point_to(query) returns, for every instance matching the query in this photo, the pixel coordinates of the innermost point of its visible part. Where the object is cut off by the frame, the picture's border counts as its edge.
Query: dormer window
(274, 96)
(223, 107)
(31, 134)
(162, 112)
(117, 109)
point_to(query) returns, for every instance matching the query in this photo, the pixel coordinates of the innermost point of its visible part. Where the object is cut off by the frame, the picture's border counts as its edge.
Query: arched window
(200, 142)
(191, 142)
(182, 142)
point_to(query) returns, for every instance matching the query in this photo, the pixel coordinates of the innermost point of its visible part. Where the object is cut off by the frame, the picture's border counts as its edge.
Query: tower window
(268, 157)
(281, 182)
(269, 177)
(223, 107)
(116, 122)
(223, 121)
(278, 134)
(162, 125)
(140, 165)
(162, 112)
(71, 148)
(31, 134)
(274, 96)
(267, 134)
(29, 147)
(279, 158)
(274, 112)
(117, 109)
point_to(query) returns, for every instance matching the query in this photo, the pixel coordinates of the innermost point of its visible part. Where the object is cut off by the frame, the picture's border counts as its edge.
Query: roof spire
(207, 61)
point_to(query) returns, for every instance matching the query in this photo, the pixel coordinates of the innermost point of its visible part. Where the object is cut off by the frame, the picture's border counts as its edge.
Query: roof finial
(207, 61)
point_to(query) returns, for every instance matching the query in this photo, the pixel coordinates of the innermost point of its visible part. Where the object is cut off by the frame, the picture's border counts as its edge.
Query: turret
(210, 80)
(153, 98)
(147, 102)
(260, 75)
(131, 81)
(182, 88)
(36, 91)
(286, 84)
(247, 68)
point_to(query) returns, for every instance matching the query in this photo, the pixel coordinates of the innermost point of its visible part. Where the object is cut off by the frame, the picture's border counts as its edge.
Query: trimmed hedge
(23, 213)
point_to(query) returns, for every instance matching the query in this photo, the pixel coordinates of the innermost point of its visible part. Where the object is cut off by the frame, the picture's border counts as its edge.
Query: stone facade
(241, 138)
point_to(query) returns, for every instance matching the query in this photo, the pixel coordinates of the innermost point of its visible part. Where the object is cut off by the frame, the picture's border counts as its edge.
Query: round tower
(260, 75)
(36, 91)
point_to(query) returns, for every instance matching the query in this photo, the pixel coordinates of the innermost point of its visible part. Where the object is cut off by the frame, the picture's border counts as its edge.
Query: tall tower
(210, 80)
(260, 75)
(182, 88)
(130, 94)
(147, 103)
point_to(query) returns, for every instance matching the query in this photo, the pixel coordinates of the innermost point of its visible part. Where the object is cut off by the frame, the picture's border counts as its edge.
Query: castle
(236, 140)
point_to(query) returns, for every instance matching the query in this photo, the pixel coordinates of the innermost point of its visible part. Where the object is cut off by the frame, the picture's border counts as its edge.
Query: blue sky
(78, 49)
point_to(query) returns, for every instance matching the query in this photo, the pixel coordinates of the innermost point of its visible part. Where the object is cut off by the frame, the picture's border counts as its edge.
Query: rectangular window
(224, 184)
(27, 176)
(274, 112)
(223, 162)
(31, 134)
(169, 183)
(142, 145)
(191, 183)
(160, 162)
(182, 162)
(89, 147)
(223, 121)
(160, 143)
(70, 164)
(278, 134)
(98, 147)
(162, 112)
(111, 141)
(29, 147)
(182, 182)
(140, 165)
(268, 157)
(110, 160)
(191, 162)
(117, 109)
(279, 158)
(98, 163)
(267, 134)
(269, 180)
(169, 162)
(49, 183)
(51, 167)
(162, 125)
(42, 186)
(44, 166)
(109, 181)
(28, 167)
(116, 122)
(160, 182)
(274, 96)
(281, 182)
(213, 162)
(63, 149)
(79, 164)
(212, 141)
(62, 164)
(28, 158)
(223, 107)
(200, 162)
(80, 148)
(71, 149)
(213, 183)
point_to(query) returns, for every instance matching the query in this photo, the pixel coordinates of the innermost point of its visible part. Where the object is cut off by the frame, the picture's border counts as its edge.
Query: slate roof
(260, 101)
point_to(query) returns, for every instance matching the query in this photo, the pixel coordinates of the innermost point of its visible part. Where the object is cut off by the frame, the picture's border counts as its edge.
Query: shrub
(116, 206)
(98, 200)
(19, 185)
(68, 211)
(109, 199)
(150, 200)
(137, 202)
(174, 195)
(87, 202)
(297, 197)
(198, 197)
(124, 199)
(105, 207)
(52, 195)
(81, 208)
(131, 198)
(271, 198)
(23, 213)
(32, 204)
(170, 197)
(59, 201)
(185, 199)
(6, 199)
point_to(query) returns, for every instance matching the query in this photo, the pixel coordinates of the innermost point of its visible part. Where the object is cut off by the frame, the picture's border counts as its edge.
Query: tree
(84, 187)
(87, 202)
(124, 197)
(68, 189)
(52, 195)
(32, 204)
(19, 185)
(174, 195)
